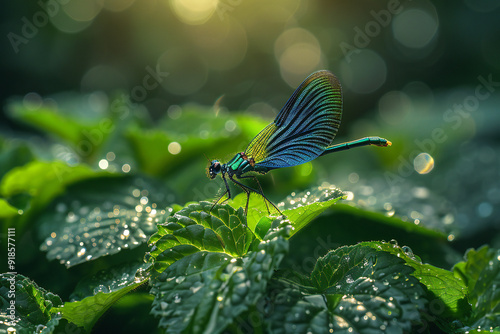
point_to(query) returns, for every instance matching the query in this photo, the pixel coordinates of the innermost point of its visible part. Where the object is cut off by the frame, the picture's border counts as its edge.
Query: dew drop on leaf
(100, 288)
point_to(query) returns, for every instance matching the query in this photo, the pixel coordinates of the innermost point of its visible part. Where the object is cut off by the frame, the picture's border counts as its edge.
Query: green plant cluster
(130, 259)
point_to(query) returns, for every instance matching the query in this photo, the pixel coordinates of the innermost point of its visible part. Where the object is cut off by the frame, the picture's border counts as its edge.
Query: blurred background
(251, 52)
(179, 78)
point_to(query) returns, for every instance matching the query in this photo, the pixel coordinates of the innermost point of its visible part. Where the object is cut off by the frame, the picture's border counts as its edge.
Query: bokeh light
(365, 72)
(174, 148)
(223, 45)
(115, 5)
(82, 10)
(103, 164)
(32, 101)
(298, 53)
(194, 11)
(67, 24)
(423, 163)
(187, 72)
(414, 28)
(393, 107)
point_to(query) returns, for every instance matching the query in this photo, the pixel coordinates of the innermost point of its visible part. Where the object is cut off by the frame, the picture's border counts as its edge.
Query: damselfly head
(214, 169)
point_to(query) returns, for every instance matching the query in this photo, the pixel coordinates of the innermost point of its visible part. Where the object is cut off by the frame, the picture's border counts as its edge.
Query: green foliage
(68, 128)
(390, 221)
(194, 229)
(300, 208)
(31, 187)
(481, 272)
(7, 210)
(98, 293)
(206, 291)
(101, 217)
(352, 289)
(444, 287)
(25, 305)
(197, 268)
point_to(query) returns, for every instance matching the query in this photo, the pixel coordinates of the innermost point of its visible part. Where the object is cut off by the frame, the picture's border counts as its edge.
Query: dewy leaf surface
(102, 217)
(78, 124)
(300, 209)
(353, 289)
(97, 298)
(194, 229)
(481, 272)
(206, 291)
(33, 305)
(40, 182)
(448, 290)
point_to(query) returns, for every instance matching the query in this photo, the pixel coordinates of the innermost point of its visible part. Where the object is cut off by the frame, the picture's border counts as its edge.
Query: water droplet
(81, 252)
(407, 251)
(195, 289)
(71, 217)
(100, 288)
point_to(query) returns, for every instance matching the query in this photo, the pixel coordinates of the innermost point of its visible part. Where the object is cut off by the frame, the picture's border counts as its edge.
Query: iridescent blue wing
(304, 127)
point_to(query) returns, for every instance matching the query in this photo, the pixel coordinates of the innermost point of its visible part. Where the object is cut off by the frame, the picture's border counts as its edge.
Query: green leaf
(194, 229)
(389, 219)
(303, 207)
(7, 210)
(110, 280)
(100, 292)
(406, 206)
(37, 178)
(81, 127)
(101, 217)
(206, 291)
(39, 182)
(300, 209)
(351, 289)
(481, 272)
(33, 306)
(13, 154)
(448, 291)
(183, 135)
(19, 325)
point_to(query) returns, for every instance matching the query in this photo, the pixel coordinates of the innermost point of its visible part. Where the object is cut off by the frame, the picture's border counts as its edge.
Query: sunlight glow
(194, 11)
